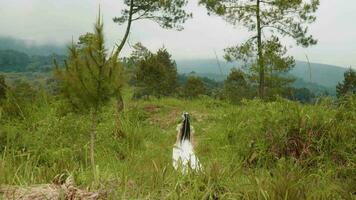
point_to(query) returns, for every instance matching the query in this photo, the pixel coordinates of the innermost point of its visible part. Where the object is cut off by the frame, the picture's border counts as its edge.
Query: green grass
(255, 150)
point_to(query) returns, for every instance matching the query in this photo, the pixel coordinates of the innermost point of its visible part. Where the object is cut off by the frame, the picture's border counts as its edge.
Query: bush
(236, 87)
(266, 132)
(194, 87)
(19, 100)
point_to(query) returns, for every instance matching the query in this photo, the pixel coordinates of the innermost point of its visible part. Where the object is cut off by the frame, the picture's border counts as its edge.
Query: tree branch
(279, 29)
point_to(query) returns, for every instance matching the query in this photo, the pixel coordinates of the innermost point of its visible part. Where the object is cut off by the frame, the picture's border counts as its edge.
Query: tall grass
(256, 150)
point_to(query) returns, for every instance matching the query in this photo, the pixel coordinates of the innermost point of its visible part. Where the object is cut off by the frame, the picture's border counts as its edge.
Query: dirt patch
(168, 120)
(199, 116)
(152, 108)
(171, 118)
(52, 191)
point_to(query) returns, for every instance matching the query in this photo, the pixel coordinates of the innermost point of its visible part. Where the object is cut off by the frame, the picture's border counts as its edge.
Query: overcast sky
(58, 21)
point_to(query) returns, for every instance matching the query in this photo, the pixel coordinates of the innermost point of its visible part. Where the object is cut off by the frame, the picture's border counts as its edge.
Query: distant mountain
(9, 43)
(322, 74)
(317, 77)
(16, 61)
(206, 66)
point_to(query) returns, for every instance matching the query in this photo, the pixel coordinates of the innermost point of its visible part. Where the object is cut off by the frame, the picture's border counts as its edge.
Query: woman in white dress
(183, 150)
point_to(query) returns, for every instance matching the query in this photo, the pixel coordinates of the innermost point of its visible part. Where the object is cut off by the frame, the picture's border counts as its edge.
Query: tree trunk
(129, 21)
(271, 84)
(92, 139)
(119, 103)
(119, 108)
(260, 54)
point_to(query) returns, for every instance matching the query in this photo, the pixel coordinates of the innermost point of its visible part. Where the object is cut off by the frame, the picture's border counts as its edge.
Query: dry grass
(53, 191)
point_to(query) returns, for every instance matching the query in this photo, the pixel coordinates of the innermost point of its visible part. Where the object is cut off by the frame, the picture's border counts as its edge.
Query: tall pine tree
(268, 20)
(168, 14)
(90, 77)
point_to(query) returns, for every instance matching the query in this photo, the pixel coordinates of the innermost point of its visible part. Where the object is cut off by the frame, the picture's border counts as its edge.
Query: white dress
(183, 156)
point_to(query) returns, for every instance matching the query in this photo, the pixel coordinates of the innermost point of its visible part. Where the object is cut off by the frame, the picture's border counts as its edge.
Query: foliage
(168, 14)
(19, 99)
(236, 86)
(139, 53)
(157, 74)
(90, 78)
(194, 87)
(17, 61)
(13, 60)
(40, 63)
(348, 86)
(3, 87)
(302, 95)
(210, 84)
(269, 21)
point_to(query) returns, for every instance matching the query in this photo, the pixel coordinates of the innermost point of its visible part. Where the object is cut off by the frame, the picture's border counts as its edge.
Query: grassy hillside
(256, 150)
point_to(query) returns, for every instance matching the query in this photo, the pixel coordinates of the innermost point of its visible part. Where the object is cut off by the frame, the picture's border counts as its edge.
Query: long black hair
(185, 128)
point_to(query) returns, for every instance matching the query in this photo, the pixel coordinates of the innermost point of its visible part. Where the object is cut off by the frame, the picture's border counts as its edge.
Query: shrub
(194, 87)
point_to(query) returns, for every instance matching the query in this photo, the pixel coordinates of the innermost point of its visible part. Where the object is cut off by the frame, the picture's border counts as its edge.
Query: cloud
(48, 21)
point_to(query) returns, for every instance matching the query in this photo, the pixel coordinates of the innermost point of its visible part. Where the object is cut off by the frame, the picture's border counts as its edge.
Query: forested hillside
(316, 77)
(17, 61)
(30, 47)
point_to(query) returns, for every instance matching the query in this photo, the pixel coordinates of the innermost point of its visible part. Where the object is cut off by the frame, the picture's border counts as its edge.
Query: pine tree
(169, 84)
(348, 86)
(139, 53)
(90, 77)
(157, 74)
(269, 20)
(168, 14)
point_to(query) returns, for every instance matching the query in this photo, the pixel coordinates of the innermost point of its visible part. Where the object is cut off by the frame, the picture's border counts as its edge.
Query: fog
(58, 22)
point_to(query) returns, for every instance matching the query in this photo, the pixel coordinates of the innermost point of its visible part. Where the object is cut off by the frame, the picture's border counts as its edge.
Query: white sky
(51, 21)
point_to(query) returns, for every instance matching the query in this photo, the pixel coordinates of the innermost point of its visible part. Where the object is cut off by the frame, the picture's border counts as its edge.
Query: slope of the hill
(276, 150)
